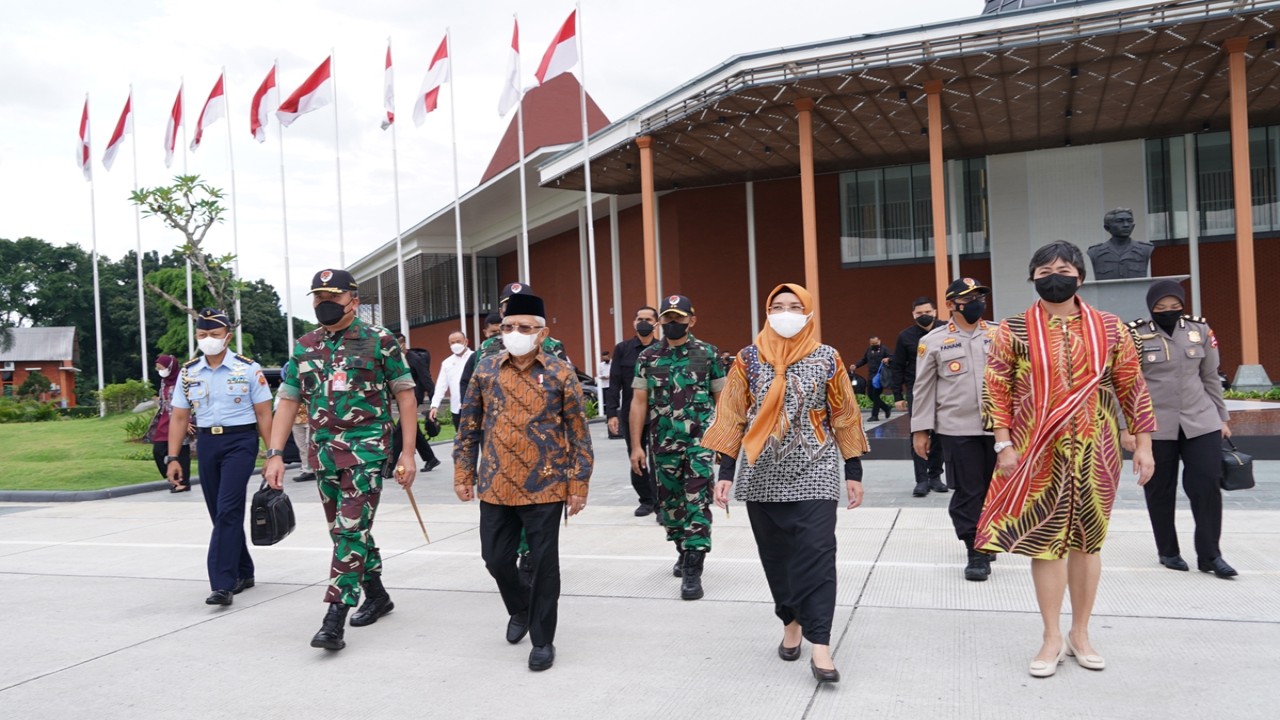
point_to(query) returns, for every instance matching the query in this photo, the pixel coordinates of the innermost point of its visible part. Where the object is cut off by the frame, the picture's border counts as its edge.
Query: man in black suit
(419, 361)
(902, 373)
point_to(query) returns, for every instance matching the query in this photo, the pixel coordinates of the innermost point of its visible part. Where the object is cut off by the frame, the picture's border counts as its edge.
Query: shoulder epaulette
(1195, 318)
(242, 358)
(190, 363)
(1137, 323)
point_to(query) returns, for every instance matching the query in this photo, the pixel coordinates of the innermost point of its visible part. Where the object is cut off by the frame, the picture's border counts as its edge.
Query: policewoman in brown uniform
(1180, 363)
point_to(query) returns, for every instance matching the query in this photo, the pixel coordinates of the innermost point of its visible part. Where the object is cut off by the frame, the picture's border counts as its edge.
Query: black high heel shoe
(790, 654)
(823, 675)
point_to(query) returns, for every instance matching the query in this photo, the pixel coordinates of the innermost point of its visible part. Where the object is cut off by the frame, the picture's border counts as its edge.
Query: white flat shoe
(1046, 668)
(1089, 662)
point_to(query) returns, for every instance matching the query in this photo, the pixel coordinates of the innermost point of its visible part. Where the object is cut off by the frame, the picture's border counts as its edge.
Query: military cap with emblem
(212, 319)
(964, 287)
(334, 281)
(677, 304)
(514, 288)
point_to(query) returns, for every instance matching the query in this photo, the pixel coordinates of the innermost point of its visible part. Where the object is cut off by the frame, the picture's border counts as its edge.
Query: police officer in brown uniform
(948, 401)
(1180, 363)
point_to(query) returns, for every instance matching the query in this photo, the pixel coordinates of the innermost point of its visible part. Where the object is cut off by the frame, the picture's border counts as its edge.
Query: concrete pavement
(104, 617)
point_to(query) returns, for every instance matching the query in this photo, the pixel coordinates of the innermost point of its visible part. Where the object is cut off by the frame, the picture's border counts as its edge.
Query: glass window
(432, 290)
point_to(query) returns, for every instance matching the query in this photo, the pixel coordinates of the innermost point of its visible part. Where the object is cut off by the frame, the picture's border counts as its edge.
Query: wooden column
(1235, 48)
(647, 202)
(938, 201)
(808, 205)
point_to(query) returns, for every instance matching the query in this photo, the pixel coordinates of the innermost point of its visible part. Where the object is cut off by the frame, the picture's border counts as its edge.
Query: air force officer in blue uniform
(229, 397)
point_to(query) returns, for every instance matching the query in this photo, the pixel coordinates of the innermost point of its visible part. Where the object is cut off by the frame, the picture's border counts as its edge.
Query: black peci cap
(523, 303)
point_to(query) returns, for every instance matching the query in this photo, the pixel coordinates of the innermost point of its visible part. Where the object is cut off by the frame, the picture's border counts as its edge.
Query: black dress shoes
(518, 627)
(936, 485)
(241, 585)
(1218, 567)
(922, 489)
(218, 597)
(789, 654)
(1174, 562)
(431, 464)
(304, 477)
(541, 657)
(824, 675)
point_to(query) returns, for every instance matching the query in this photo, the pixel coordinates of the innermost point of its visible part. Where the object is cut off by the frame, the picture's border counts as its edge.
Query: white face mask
(212, 345)
(787, 324)
(458, 348)
(519, 344)
(163, 372)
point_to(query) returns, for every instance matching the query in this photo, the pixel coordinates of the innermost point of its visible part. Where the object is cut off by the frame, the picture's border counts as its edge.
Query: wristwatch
(1001, 446)
(170, 458)
(272, 452)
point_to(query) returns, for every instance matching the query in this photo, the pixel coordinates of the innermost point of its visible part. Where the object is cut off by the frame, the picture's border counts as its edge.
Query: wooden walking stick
(414, 504)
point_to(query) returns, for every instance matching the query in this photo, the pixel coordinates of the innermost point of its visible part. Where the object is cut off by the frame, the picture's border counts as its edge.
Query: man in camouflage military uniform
(346, 372)
(674, 395)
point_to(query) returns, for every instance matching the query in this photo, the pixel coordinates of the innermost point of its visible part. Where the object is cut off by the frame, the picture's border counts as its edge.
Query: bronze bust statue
(1120, 257)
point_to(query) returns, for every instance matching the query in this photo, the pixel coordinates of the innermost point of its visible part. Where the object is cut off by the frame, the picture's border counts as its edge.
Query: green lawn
(80, 455)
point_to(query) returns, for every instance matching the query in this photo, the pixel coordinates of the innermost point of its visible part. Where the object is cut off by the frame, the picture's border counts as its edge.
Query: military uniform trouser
(350, 500)
(684, 496)
(970, 461)
(226, 462)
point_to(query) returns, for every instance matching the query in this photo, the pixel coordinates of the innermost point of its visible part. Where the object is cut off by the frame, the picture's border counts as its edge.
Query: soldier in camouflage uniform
(674, 396)
(347, 372)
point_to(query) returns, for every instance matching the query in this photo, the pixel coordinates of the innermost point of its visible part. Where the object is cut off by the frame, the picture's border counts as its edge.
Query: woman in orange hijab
(788, 407)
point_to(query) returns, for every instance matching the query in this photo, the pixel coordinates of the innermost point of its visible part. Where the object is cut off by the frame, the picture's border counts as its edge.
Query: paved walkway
(104, 617)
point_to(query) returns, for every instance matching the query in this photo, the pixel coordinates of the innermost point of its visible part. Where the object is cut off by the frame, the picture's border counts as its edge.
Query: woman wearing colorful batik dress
(789, 408)
(1058, 376)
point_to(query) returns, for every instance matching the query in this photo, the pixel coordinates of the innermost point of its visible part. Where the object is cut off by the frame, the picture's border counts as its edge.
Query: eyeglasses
(794, 307)
(522, 328)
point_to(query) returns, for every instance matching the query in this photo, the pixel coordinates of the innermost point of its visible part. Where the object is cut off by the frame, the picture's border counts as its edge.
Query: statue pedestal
(1125, 298)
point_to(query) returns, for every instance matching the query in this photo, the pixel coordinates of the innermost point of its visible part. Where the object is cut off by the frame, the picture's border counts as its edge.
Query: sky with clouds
(53, 52)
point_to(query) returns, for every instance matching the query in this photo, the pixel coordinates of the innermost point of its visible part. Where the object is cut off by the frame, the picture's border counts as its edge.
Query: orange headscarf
(780, 353)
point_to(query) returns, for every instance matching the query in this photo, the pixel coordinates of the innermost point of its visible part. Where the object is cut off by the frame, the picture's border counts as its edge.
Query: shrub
(35, 385)
(122, 397)
(592, 407)
(23, 411)
(78, 413)
(137, 425)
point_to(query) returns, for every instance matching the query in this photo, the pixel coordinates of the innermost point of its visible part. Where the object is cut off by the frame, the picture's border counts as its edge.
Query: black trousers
(970, 461)
(930, 468)
(423, 445)
(797, 546)
(1201, 473)
(226, 462)
(878, 404)
(160, 449)
(642, 483)
(500, 527)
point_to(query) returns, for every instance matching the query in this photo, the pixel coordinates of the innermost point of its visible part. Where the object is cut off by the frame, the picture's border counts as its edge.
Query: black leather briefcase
(271, 516)
(1237, 468)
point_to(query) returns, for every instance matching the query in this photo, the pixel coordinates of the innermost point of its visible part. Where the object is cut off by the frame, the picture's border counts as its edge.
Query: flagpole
(457, 210)
(337, 155)
(137, 225)
(525, 270)
(97, 294)
(235, 218)
(395, 175)
(191, 321)
(284, 218)
(594, 350)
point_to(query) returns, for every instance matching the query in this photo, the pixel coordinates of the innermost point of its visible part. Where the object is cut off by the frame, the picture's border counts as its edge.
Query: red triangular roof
(552, 116)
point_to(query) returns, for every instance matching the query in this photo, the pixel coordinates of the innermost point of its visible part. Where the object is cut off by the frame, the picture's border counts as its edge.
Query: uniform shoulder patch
(1137, 323)
(1195, 318)
(190, 363)
(243, 359)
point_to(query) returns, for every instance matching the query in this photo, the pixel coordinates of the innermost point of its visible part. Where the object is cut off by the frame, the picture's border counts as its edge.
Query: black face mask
(972, 311)
(644, 328)
(675, 330)
(1056, 288)
(330, 312)
(1167, 320)
(924, 321)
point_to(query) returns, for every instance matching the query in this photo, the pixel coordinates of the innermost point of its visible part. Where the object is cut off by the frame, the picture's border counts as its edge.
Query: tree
(34, 386)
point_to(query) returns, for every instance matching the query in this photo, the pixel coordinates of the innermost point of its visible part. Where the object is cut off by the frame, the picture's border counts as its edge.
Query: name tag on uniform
(338, 383)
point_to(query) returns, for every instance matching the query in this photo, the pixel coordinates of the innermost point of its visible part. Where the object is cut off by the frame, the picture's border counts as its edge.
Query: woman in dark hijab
(158, 434)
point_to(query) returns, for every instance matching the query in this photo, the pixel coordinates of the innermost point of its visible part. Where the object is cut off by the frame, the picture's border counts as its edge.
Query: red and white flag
(214, 109)
(437, 75)
(171, 130)
(124, 126)
(314, 93)
(260, 111)
(563, 53)
(511, 90)
(388, 92)
(82, 150)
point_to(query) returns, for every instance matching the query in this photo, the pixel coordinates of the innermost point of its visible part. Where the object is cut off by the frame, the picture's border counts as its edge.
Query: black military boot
(376, 602)
(691, 574)
(675, 569)
(979, 567)
(331, 630)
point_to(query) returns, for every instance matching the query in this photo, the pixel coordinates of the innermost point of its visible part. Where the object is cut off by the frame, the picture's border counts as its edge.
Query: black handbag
(432, 426)
(1237, 468)
(271, 516)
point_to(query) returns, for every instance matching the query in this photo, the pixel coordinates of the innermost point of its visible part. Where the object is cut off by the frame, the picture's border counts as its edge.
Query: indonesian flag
(171, 130)
(214, 109)
(314, 93)
(511, 90)
(124, 126)
(437, 75)
(388, 92)
(563, 53)
(82, 151)
(260, 111)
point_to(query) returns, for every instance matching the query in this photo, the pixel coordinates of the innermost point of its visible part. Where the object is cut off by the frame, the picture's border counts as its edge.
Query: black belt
(228, 429)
